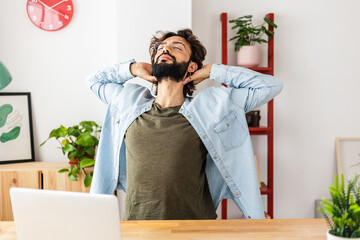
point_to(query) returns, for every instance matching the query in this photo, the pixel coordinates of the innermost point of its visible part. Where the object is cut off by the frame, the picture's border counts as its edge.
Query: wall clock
(50, 15)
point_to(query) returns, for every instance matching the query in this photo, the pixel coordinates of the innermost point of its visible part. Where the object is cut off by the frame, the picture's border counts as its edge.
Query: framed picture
(348, 157)
(16, 133)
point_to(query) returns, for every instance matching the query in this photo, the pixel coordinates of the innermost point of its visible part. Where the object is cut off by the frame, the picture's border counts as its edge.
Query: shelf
(265, 190)
(264, 70)
(260, 130)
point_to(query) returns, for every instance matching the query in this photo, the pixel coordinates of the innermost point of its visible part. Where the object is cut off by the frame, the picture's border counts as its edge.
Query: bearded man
(176, 156)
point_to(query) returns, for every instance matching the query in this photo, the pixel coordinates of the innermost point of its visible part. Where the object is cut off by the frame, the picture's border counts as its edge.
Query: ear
(192, 67)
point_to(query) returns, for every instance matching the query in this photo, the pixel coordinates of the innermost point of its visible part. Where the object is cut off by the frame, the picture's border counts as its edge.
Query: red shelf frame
(266, 189)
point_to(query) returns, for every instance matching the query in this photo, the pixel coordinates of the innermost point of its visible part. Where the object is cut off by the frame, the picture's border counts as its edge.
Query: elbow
(279, 86)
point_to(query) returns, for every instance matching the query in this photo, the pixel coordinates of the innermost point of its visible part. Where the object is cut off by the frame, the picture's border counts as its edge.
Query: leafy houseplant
(247, 35)
(78, 143)
(343, 213)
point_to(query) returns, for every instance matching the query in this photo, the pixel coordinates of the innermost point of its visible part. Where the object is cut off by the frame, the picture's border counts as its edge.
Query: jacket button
(189, 117)
(204, 137)
(237, 194)
(226, 176)
(215, 157)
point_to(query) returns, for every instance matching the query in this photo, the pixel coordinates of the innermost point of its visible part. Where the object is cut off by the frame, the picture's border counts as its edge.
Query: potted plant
(79, 143)
(246, 36)
(343, 212)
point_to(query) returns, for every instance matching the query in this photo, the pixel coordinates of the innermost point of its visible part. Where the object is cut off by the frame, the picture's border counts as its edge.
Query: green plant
(343, 212)
(78, 142)
(248, 34)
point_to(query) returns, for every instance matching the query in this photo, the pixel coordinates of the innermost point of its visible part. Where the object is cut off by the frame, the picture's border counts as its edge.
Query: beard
(174, 71)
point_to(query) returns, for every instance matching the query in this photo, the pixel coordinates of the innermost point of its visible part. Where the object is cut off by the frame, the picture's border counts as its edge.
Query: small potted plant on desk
(246, 36)
(79, 143)
(343, 212)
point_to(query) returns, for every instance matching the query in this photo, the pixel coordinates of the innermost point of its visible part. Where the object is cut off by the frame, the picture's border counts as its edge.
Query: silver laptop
(45, 214)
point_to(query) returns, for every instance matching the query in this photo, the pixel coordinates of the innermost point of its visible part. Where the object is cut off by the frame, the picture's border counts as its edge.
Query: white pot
(249, 56)
(329, 236)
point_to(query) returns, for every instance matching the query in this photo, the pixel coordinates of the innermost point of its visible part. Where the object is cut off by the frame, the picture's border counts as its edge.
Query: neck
(170, 93)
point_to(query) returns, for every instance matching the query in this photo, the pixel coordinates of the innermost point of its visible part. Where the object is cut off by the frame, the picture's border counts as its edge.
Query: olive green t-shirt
(165, 161)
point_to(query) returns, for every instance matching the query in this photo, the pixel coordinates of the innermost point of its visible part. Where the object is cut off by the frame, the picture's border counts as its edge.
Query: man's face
(172, 59)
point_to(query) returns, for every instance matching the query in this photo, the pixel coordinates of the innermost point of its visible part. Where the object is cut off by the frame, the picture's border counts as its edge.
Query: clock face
(50, 15)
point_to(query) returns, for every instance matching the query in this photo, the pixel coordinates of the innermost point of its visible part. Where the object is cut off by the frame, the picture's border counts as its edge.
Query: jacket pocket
(231, 131)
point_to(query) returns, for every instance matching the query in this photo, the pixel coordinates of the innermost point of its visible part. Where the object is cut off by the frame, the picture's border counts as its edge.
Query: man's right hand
(142, 70)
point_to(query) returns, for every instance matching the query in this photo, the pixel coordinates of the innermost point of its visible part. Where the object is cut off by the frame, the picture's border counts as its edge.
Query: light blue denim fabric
(216, 113)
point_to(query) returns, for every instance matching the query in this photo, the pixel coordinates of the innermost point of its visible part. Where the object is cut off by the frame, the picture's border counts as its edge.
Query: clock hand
(56, 4)
(51, 8)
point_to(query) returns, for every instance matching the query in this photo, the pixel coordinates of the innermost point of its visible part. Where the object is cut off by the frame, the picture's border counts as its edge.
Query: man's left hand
(199, 76)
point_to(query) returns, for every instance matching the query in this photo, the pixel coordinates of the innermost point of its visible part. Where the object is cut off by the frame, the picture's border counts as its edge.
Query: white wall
(317, 58)
(53, 66)
(314, 55)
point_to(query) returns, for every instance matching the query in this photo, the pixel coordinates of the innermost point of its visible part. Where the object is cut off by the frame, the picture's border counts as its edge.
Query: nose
(166, 48)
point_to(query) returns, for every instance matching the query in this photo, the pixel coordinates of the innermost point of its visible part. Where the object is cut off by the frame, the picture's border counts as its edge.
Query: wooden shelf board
(261, 68)
(259, 130)
(265, 189)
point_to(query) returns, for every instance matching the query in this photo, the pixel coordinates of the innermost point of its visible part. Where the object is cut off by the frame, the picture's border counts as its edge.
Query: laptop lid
(47, 214)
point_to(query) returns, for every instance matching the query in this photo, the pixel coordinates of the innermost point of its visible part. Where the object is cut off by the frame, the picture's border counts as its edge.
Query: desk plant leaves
(343, 212)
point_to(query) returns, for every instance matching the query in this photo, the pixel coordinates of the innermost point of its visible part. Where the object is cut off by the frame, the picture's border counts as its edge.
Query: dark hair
(198, 51)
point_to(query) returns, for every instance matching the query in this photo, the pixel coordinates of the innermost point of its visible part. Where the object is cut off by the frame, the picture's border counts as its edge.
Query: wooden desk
(310, 229)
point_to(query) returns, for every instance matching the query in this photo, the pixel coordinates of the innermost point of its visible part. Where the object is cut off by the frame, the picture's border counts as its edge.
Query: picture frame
(16, 130)
(348, 157)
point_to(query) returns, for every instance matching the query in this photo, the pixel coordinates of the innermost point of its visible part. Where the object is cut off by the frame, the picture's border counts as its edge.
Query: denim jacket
(218, 116)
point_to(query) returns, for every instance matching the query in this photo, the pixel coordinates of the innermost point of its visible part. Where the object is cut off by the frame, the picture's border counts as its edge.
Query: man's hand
(142, 70)
(200, 75)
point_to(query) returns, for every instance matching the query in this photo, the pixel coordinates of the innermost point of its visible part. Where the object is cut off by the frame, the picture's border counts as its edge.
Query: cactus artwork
(12, 128)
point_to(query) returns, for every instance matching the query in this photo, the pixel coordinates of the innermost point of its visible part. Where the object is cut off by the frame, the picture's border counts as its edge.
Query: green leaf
(65, 141)
(86, 162)
(61, 132)
(72, 154)
(85, 140)
(63, 170)
(268, 21)
(81, 152)
(72, 177)
(44, 142)
(51, 135)
(87, 180)
(68, 148)
(90, 151)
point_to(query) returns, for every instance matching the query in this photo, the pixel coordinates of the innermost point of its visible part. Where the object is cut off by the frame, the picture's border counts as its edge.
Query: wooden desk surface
(211, 229)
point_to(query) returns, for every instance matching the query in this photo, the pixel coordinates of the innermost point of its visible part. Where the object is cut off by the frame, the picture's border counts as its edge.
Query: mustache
(173, 58)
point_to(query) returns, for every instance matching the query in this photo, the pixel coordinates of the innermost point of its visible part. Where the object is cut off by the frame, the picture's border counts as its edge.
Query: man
(176, 156)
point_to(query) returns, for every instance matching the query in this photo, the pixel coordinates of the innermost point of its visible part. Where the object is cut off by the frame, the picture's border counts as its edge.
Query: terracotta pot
(329, 236)
(249, 56)
(74, 161)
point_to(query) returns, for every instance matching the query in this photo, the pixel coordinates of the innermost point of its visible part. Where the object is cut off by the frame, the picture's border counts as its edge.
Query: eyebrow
(175, 42)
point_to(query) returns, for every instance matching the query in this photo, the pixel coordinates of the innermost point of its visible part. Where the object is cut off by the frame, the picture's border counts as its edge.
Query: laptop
(47, 214)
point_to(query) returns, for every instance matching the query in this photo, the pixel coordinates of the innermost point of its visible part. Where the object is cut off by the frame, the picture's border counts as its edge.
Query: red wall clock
(50, 15)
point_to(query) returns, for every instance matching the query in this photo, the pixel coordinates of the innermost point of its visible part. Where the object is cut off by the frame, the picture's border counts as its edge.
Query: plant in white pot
(247, 35)
(343, 212)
